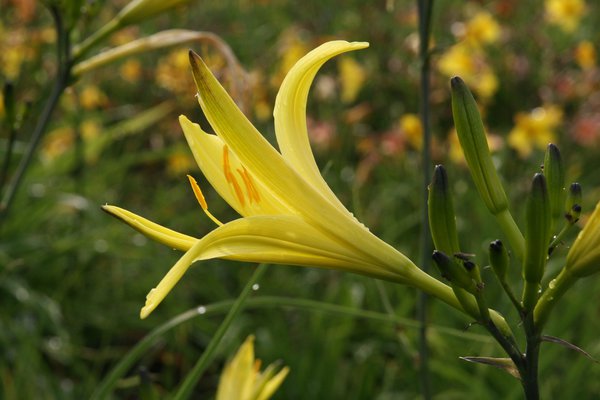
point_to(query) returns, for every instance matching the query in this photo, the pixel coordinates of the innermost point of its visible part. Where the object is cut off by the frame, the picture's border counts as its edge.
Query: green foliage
(72, 280)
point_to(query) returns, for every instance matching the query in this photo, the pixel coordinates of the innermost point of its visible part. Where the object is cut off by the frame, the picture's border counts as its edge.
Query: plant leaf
(505, 364)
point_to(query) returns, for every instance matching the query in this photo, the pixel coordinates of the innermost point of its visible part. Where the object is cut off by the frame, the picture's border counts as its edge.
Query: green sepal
(442, 221)
(472, 137)
(555, 178)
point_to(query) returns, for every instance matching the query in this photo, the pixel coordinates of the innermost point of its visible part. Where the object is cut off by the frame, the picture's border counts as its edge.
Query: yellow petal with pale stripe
(153, 230)
(290, 113)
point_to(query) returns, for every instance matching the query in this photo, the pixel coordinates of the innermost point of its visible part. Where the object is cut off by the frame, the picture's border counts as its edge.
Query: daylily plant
(288, 213)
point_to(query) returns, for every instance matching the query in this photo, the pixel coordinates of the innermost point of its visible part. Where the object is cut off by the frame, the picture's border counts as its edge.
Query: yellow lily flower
(242, 380)
(288, 213)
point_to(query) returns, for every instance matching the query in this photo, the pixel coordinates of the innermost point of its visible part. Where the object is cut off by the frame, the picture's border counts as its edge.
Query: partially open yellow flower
(242, 380)
(288, 213)
(584, 256)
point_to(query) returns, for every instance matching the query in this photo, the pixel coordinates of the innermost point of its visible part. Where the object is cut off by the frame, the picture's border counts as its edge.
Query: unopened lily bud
(453, 271)
(583, 258)
(442, 221)
(555, 178)
(573, 203)
(473, 141)
(499, 259)
(537, 239)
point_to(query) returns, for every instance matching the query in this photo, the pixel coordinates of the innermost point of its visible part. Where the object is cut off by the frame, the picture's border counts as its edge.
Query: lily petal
(290, 113)
(271, 239)
(153, 230)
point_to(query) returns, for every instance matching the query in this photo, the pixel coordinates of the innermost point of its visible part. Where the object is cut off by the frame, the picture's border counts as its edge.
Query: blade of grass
(186, 388)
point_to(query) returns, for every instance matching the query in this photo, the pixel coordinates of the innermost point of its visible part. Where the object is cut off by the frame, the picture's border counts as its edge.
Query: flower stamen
(202, 200)
(230, 177)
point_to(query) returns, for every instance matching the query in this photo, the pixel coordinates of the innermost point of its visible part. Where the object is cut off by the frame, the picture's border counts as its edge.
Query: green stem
(511, 295)
(185, 390)
(60, 84)
(557, 239)
(512, 232)
(81, 49)
(556, 288)
(424, 12)
(529, 375)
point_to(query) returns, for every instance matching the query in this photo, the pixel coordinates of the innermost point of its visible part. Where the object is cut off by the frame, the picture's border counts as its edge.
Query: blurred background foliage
(72, 280)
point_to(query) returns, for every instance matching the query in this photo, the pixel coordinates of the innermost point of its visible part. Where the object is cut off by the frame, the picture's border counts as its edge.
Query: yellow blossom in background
(585, 54)
(481, 29)
(1, 104)
(90, 129)
(242, 380)
(470, 64)
(56, 143)
(535, 129)
(564, 13)
(352, 78)
(180, 162)
(92, 97)
(291, 49)
(131, 70)
(172, 72)
(412, 130)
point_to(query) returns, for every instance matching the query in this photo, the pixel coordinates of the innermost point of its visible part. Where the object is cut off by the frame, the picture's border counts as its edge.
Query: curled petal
(290, 113)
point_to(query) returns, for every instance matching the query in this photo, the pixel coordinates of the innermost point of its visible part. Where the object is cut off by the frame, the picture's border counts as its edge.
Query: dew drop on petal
(552, 284)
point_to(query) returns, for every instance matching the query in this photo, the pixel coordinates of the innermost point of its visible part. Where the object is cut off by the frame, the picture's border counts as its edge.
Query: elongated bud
(499, 259)
(573, 203)
(442, 221)
(537, 239)
(473, 141)
(583, 258)
(555, 178)
(453, 271)
(140, 10)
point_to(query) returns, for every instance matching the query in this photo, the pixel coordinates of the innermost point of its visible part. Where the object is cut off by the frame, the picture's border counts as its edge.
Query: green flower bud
(454, 272)
(583, 258)
(442, 221)
(573, 203)
(537, 239)
(473, 141)
(499, 259)
(555, 178)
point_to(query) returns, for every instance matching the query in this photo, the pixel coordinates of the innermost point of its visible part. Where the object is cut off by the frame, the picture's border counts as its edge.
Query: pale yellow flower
(288, 213)
(352, 78)
(469, 62)
(535, 129)
(565, 13)
(242, 380)
(482, 29)
(411, 128)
